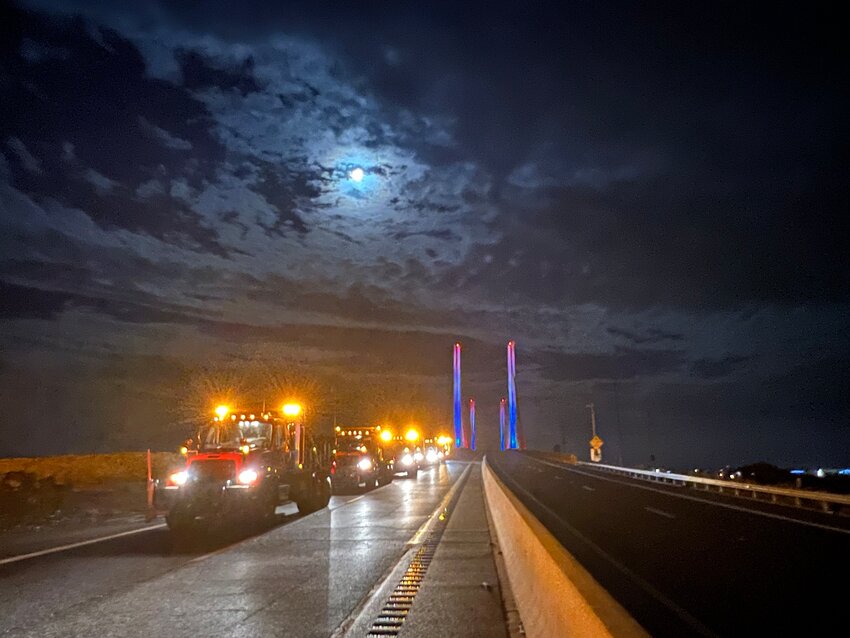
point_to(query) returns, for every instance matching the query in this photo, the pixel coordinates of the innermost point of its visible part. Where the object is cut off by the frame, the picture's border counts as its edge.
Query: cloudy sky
(650, 199)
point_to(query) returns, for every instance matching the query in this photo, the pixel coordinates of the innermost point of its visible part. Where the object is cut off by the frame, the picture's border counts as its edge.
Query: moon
(357, 174)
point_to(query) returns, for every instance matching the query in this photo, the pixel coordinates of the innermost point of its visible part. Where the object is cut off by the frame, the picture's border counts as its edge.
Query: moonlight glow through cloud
(662, 231)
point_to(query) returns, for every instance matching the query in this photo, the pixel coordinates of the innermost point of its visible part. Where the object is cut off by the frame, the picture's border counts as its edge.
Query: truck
(359, 461)
(240, 466)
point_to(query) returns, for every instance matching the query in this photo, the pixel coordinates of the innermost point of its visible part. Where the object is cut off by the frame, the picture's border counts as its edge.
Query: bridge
(516, 543)
(498, 543)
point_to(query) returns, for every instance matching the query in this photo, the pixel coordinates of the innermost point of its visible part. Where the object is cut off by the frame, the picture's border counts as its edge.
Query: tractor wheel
(181, 525)
(319, 497)
(268, 507)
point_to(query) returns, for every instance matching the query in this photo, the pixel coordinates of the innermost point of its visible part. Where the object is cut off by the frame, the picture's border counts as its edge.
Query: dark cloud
(444, 235)
(660, 244)
(652, 335)
(199, 72)
(715, 368)
(95, 152)
(284, 189)
(651, 199)
(815, 391)
(23, 302)
(623, 363)
(29, 302)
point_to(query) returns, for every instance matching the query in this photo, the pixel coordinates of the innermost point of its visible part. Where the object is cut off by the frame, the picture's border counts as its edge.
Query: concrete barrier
(555, 595)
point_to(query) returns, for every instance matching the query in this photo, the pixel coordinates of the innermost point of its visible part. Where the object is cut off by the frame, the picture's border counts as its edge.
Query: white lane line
(91, 541)
(369, 606)
(417, 537)
(588, 488)
(728, 506)
(100, 539)
(660, 512)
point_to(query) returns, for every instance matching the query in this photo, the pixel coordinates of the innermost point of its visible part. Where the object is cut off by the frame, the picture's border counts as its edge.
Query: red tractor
(241, 466)
(359, 461)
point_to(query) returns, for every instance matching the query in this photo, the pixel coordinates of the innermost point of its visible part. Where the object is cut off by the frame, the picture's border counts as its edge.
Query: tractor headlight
(247, 477)
(407, 459)
(365, 464)
(179, 478)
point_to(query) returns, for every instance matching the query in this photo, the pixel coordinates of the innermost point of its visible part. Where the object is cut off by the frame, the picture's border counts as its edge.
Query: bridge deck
(306, 576)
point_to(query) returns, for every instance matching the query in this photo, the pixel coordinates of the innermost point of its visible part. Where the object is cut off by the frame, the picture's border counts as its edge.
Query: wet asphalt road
(687, 563)
(302, 577)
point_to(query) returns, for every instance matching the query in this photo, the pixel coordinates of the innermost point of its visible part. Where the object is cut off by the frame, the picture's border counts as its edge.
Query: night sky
(651, 200)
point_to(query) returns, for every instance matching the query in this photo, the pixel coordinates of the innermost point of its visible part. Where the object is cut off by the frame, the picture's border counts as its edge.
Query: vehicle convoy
(433, 452)
(405, 454)
(410, 452)
(241, 466)
(359, 461)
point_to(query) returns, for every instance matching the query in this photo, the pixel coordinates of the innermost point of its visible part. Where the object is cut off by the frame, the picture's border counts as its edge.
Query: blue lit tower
(502, 423)
(458, 410)
(472, 424)
(513, 444)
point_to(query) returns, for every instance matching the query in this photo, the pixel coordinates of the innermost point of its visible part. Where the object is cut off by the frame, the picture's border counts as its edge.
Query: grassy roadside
(81, 470)
(82, 488)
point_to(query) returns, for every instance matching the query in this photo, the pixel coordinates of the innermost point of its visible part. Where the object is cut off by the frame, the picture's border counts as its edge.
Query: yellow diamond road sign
(596, 443)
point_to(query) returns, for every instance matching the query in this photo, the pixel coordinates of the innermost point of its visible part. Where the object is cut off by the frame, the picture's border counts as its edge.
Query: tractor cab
(359, 461)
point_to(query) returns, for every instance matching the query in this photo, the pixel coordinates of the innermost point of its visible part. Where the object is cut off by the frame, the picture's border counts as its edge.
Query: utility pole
(592, 417)
(619, 430)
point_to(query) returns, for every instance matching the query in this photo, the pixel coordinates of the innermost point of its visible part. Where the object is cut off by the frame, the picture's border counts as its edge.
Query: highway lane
(300, 578)
(688, 563)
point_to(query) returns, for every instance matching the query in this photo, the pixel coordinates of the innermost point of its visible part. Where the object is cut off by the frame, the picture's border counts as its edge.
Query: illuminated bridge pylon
(516, 438)
(460, 433)
(502, 434)
(472, 424)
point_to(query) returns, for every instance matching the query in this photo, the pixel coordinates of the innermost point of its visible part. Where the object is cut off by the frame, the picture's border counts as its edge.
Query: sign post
(595, 443)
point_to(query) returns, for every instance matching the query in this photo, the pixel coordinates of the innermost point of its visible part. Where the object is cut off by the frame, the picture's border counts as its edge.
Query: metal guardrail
(826, 501)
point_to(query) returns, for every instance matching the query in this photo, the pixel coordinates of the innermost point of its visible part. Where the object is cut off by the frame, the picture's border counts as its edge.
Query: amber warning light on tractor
(292, 409)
